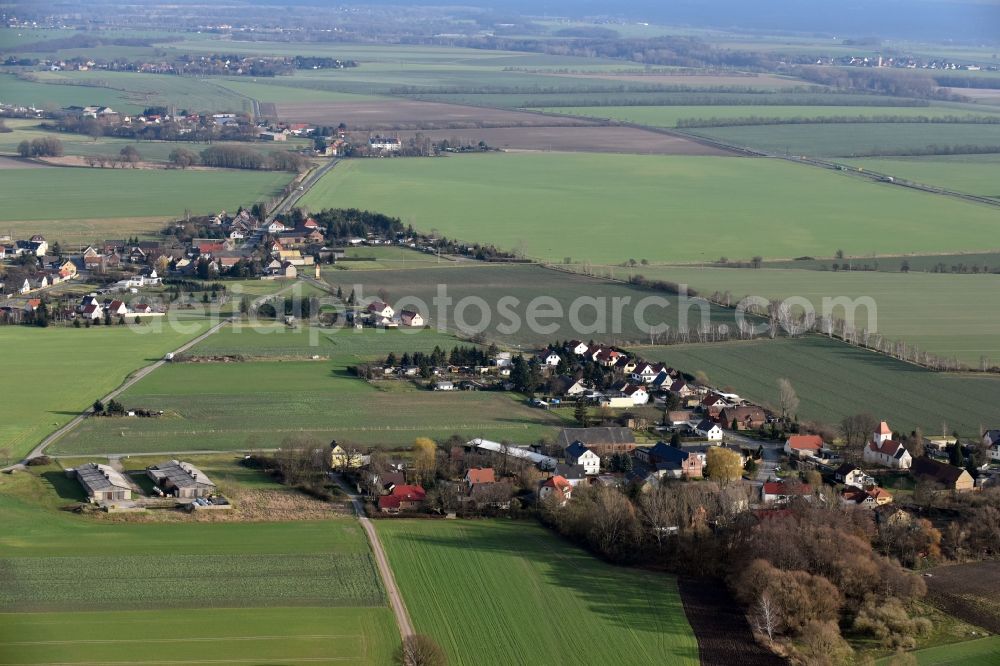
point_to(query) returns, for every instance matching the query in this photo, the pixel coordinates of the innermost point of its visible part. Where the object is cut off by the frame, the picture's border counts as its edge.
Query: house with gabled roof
(402, 497)
(380, 309)
(948, 477)
(800, 446)
(743, 417)
(577, 348)
(578, 454)
(781, 492)
(479, 475)
(991, 438)
(868, 498)
(710, 430)
(557, 488)
(669, 461)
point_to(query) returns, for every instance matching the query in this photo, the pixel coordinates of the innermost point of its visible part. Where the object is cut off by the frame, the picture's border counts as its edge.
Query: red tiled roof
(481, 475)
(888, 447)
(782, 488)
(884, 429)
(805, 442)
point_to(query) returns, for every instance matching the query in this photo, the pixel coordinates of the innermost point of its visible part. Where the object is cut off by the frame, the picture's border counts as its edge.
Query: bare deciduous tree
(421, 650)
(788, 400)
(765, 616)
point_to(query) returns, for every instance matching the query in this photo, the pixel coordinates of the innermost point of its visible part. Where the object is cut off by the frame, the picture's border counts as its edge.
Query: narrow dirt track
(391, 589)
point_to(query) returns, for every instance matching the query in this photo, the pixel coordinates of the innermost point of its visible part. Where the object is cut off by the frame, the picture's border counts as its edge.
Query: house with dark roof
(667, 461)
(578, 454)
(991, 438)
(603, 441)
(851, 475)
(575, 474)
(947, 476)
(710, 430)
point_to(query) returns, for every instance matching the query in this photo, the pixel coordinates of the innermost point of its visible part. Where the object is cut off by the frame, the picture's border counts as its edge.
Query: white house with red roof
(883, 450)
(557, 488)
(780, 492)
(801, 446)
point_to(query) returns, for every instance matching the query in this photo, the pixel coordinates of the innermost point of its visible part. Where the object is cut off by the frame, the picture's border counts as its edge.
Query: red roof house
(402, 498)
(801, 445)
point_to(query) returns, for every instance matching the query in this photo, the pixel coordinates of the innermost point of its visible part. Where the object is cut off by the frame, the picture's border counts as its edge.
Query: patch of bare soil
(249, 505)
(724, 637)
(603, 139)
(968, 591)
(404, 114)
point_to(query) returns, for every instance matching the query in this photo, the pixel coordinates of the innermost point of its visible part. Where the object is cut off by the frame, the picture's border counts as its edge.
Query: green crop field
(66, 193)
(379, 258)
(264, 636)
(276, 90)
(43, 96)
(834, 380)
(970, 174)
(496, 299)
(150, 151)
(853, 139)
(495, 592)
(345, 346)
(609, 208)
(270, 593)
(948, 315)
(69, 369)
(144, 90)
(668, 116)
(236, 406)
(980, 651)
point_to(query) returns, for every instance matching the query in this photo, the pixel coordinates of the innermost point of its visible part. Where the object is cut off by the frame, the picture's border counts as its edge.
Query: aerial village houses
(101, 482)
(181, 479)
(882, 449)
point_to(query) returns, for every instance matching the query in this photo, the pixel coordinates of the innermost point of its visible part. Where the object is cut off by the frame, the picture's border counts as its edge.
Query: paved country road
(391, 589)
